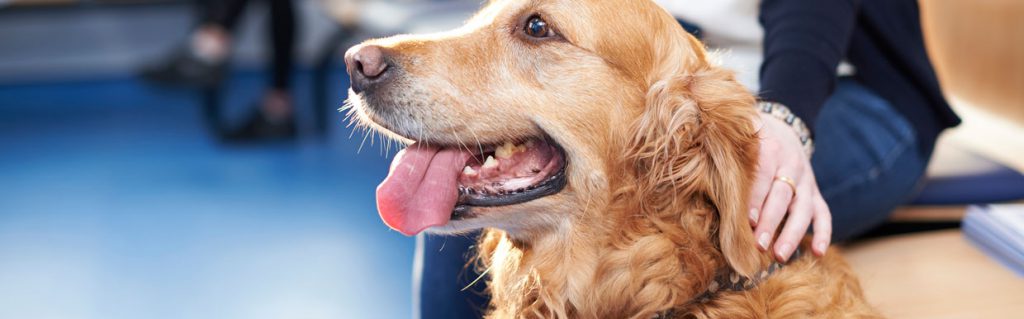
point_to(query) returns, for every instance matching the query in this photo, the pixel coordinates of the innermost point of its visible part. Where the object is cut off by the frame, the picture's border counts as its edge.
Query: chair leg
(321, 71)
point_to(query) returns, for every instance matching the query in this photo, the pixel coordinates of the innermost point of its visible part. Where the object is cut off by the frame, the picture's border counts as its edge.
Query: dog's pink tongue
(421, 190)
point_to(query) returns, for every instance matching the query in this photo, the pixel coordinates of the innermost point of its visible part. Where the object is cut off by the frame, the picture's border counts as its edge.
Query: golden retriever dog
(607, 158)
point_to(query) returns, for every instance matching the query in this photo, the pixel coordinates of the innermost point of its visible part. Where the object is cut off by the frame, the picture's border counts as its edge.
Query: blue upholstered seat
(974, 180)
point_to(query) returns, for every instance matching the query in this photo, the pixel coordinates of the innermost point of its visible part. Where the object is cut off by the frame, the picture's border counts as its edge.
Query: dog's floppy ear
(695, 140)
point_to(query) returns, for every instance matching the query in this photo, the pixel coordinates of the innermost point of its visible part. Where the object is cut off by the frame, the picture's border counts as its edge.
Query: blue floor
(116, 203)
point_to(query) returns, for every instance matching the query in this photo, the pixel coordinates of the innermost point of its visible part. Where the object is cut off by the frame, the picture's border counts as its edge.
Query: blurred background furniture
(978, 49)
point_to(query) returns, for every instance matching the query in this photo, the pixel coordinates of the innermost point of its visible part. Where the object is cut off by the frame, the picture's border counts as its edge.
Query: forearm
(805, 40)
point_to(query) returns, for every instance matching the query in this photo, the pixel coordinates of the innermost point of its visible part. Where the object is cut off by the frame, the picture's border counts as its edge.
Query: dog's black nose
(366, 65)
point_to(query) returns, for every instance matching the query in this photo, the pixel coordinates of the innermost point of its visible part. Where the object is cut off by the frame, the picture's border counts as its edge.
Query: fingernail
(783, 251)
(822, 247)
(754, 215)
(763, 240)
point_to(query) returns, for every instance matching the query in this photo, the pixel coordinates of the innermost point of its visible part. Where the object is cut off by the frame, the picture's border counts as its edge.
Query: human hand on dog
(785, 187)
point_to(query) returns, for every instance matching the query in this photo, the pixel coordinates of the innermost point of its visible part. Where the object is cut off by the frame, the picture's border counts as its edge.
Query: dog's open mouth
(429, 186)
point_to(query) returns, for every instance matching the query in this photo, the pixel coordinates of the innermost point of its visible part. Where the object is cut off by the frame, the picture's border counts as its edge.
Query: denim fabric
(867, 162)
(867, 159)
(440, 272)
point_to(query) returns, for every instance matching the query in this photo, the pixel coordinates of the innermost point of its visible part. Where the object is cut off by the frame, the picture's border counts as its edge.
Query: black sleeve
(804, 41)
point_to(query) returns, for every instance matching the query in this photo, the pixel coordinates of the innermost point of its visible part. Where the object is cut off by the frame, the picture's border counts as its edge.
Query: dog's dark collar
(731, 281)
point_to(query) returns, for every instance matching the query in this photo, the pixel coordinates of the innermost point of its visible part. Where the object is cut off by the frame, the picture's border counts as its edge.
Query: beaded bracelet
(783, 113)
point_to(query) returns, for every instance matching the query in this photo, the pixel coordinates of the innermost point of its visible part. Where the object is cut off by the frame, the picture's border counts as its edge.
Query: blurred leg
(440, 274)
(223, 13)
(867, 160)
(201, 61)
(282, 24)
(211, 41)
(272, 118)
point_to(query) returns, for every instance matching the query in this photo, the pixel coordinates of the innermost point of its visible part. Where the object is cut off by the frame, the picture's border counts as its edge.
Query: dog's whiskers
(366, 134)
(481, 276)
(479, 146)
(457, 137)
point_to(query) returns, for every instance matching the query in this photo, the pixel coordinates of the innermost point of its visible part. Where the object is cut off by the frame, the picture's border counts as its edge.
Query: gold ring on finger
(788, 181)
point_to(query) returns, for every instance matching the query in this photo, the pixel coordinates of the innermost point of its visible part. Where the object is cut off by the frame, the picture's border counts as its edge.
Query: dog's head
(538, 114)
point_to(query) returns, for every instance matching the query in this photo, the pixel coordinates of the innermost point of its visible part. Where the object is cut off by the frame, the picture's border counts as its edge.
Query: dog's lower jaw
(522, 223)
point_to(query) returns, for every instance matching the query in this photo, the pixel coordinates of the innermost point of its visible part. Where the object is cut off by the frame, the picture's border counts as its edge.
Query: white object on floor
(998, 230)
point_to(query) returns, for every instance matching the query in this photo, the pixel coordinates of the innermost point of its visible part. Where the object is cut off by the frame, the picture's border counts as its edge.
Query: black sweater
(805, 40)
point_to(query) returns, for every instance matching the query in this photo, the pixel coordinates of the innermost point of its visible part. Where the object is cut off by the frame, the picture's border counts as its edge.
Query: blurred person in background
(203, 59)
(855, 71)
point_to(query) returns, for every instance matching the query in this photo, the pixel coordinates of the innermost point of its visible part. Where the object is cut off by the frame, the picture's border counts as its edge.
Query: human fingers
(822, 226)
(774, 209)
(766, 168)
(801, 211)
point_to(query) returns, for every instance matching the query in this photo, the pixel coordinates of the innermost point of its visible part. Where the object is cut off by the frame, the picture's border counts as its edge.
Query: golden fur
(661, 151)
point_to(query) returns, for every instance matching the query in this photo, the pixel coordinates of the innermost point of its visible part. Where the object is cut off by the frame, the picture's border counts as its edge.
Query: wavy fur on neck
(673, 223)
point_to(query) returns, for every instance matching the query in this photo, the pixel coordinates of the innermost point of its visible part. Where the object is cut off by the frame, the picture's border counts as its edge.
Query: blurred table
(935, 275)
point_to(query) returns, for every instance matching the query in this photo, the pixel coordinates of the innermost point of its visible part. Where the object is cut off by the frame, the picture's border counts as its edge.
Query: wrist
(797, 125)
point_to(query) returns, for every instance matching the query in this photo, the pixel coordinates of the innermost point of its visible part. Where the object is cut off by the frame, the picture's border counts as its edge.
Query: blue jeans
(867, 162)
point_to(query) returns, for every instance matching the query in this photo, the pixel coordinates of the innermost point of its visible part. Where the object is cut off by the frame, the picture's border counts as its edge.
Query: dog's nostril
(369, 61)
(359, 67)
(366, 65)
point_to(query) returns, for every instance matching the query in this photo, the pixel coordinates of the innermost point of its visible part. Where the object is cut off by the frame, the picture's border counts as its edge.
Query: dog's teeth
(469, 171)
(471, 191)
(506, 150)
(521, 148)
(490, 162)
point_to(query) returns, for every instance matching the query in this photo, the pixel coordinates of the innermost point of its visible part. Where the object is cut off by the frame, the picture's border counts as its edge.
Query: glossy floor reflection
(116, 203)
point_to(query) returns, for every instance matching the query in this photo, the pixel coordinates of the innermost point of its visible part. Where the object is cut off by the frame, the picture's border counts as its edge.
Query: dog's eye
(537, 28)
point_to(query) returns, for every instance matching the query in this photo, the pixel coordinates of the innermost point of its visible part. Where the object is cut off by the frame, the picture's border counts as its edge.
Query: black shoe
(183, 68)
(260, 128)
